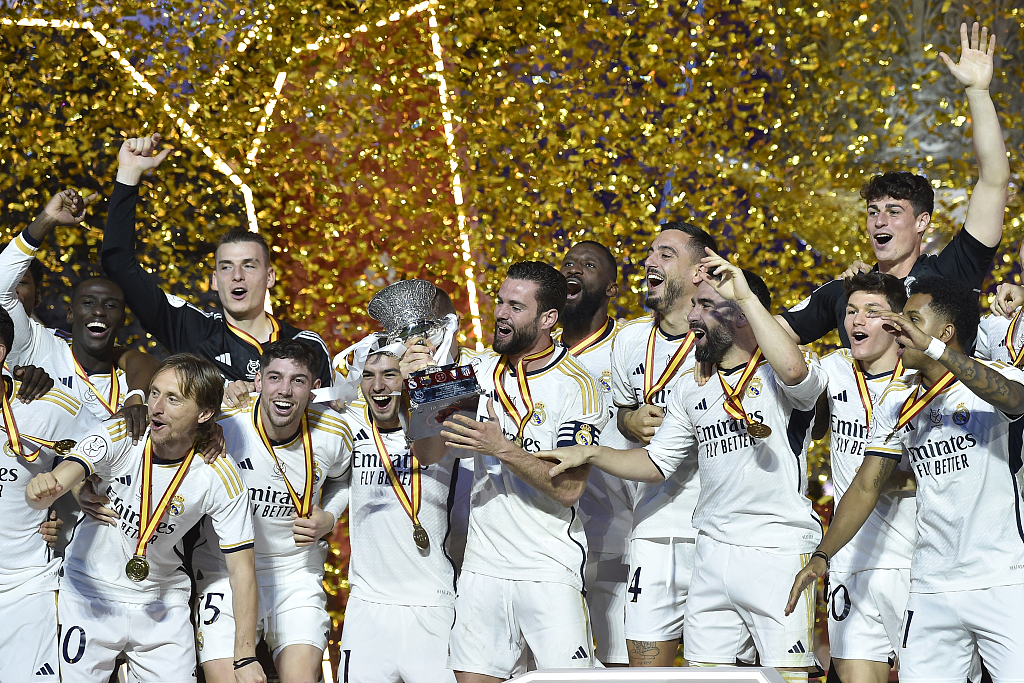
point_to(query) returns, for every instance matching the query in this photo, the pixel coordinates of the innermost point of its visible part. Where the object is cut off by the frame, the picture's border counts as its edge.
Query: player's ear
(316, 383)
(258, 382)
(612, 290)
(271, 277)
(948, 333)
(206, 415)
(922, 222)
(548, 319)
(213, 281)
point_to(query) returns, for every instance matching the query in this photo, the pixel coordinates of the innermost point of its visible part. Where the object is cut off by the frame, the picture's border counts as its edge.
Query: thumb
(53, 515)
(557, 469)
(944, 57)
(159, 159)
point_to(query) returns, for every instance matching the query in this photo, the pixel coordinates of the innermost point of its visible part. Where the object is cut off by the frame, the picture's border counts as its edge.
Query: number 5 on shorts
(210, 606)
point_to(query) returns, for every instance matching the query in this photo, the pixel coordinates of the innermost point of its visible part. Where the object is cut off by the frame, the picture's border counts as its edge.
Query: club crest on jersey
(961, 415)
(176, 506)
(936, 416)
(279, 470)
(92, 447)
(538, 414)
(584, 437)
(317, 472)
(606, 381)
(754, 388)
(199, 639)
(253, 367)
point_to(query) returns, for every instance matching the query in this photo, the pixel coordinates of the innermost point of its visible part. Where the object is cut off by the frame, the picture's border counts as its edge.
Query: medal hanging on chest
(113, 400)
(137, 568)
(652, 386)
(410, 502)
(303, 505)
(733, 398)
(524, 392)
(913, 406)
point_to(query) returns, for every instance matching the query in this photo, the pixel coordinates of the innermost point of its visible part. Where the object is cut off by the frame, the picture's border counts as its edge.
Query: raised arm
(988, 200)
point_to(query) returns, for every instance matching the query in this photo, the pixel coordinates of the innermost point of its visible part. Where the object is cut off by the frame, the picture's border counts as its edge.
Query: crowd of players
(208, 482)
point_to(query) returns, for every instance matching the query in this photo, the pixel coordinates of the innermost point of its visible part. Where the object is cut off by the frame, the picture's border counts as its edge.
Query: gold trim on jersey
(591, 403)
(913, 405)
(275, 332)
(229, 477)
(1016, 356)
(113, 401)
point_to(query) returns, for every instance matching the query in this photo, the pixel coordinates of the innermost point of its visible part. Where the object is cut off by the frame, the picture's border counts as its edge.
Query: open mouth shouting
(859, 337)
(282, 407)
(881, 238)
(96, 329)
(238, 293)
(574, 287)
(156, 426)
(382, 401)
(654, 280)
(699, 330)
(503, 329)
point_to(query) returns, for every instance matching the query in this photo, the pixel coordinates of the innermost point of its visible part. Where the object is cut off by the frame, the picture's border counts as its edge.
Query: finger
(992, 46)
(965, 41)
(974, 36)
(558, 469)
(490, 410)
(163, 155)
(157, 137)
(945, 58)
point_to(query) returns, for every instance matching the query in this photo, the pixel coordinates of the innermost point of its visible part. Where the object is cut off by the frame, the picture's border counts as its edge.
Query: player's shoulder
(353, 415)
(327, 420)
(573, 377)
(222, 475)
(481, 359)
(309, 336)
(898, 387)
(55, 400)
(635, 328)
(836, 357)
(236, 412)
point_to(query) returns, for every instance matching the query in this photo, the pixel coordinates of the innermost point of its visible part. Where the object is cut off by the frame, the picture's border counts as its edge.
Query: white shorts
(292, 613)
(940, 630)
(28, 650)
(740, 593)
(156, 638)
(415, 638)
(496, 619)
(606, 575)
(658, 583)
(865, 612)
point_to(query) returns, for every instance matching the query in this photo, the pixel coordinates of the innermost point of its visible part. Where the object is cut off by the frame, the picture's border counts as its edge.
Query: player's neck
(739, 354)
(900, 267)
(879, 366)
(90, 363)
(174, 451)
(255, 323)
(284, 433)
(574, 334)
(543, 341)
(674, 322)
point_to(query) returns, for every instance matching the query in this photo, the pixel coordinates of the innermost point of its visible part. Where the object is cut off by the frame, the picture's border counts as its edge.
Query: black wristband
(823, 555)
(244, 662)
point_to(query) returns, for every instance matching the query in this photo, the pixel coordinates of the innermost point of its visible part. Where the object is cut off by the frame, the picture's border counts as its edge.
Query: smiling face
(242, 278)
(285, 388)
(96, 314)
(713, 321)
(894, 231)
(671, 271)
(868, 340)
(517, 320)
(173, 417)
(591, 283)
(382, 388)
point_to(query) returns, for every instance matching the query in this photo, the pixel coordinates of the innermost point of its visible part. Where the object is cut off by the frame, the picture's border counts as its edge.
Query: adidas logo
(46, 670)
(703, 405)
(797, 649)
(580, 654)
(224, 358)
(638, 370)
(66, 381)
(245, 464)
(841, 396)
(361, 435)
(126, 480)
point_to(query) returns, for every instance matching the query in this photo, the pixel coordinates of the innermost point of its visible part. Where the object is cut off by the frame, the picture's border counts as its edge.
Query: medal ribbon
(591, 339)
(411, 504)
(1016, 356)
(147, 523)
(10, 426)
(113, 400)
(913, 405)
(732, 404)
(862, 386)
(275, 332)
(304, 505)
(524, 389)
(650, 386)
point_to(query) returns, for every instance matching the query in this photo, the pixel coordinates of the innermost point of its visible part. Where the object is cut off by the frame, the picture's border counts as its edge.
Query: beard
(717, 341)
(580, 313)
(520, 340)
(663, 303)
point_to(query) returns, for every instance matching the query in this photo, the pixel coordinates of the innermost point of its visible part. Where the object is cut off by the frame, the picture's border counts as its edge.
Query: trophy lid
(405, 309)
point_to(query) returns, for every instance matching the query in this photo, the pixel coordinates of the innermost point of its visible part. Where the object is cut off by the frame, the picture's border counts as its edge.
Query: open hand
(728, 280)
(566, 458)
(480, 437)
(136, 418)
(94, 504)
(907, 333)
(974, 69)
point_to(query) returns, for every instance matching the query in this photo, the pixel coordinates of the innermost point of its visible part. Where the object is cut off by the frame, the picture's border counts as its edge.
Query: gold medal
(518, 441)
(64, 446)
(759, 430)
(419, 535)
(137, 568)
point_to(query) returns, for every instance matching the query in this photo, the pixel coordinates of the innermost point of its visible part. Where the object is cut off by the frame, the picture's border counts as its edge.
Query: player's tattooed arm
(987, 383)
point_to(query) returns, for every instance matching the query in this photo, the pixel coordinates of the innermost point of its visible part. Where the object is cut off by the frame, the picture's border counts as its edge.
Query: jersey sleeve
(804, 396)
(815, 316)
(966, 259)
(229, 509)
(882, 439)
(105, 451)
(31, 339)
(675, 439)
(584, 415)
(622, 390)
(177, 325)
(983, 347)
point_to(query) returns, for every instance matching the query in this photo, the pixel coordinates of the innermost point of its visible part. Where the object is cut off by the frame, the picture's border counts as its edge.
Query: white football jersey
(607, 505)
(662, 510)
(35, 344)
(95, 562)
(753, 491)
(886, 541)
(992, 337)
(277, 556)
(24, 555)
(386, 566)
(966, 456)
(515, 531)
